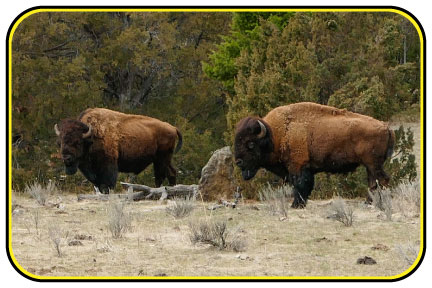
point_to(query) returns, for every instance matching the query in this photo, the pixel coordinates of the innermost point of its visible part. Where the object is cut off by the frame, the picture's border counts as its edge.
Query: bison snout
(239, 162)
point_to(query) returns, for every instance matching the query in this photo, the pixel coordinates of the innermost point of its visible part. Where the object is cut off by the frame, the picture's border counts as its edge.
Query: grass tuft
(342, 212)
(276, 199)
(119, 221)
(40, 193)
(217, 235)
(180, 207)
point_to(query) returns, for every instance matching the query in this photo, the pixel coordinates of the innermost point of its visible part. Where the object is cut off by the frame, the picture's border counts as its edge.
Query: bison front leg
(107, 179)
(303, 186)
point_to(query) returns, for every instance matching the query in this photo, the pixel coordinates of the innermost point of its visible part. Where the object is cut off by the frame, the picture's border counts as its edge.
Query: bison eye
(251, 145)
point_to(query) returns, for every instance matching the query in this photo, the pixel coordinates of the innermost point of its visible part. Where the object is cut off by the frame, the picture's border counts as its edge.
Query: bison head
(252, 145)
(74, 138)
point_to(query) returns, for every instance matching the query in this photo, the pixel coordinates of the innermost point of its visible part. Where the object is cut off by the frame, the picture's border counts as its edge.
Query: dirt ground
(308, 242)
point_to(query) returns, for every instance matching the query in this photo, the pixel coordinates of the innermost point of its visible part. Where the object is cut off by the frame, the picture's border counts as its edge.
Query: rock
(242, 257)
(75, 243)
(217, 176)
(380, 247)
(366, 261)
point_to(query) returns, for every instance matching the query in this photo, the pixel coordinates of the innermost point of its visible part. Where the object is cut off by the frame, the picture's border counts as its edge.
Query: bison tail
(391, 142)
(180, 141)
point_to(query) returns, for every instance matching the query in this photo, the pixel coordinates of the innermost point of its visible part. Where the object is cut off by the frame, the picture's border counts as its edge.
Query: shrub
(180, 208)
(382, 200)
(39, 192)
(57, 237)
(342, 212)
(276, 198)
(119, 222)
(217, 235)
(407, 198)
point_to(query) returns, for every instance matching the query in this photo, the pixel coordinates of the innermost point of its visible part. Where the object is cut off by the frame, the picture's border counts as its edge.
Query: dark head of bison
(252, 145)
(74, 139)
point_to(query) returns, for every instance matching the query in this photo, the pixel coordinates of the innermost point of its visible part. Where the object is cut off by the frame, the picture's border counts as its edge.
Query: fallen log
(146, 192)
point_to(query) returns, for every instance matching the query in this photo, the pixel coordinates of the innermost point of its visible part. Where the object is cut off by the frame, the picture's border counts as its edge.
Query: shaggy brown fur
(118, 143)
(305, 138)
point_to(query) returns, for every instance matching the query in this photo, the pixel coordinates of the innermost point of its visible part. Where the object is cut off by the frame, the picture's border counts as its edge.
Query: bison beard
(101, 143)
(297, 141)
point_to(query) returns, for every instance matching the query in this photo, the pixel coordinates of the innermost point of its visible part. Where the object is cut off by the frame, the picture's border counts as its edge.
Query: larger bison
(101, 143)
(296, 141)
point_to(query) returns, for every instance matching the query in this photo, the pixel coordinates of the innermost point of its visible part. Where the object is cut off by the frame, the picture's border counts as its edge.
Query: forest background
(202, 72)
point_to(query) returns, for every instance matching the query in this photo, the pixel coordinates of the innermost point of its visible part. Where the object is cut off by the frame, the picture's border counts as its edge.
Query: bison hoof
(298, 205)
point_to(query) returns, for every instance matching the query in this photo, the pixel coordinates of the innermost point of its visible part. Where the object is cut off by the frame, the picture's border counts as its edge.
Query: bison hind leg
(375, 177)
(159, 173)
(171, 175)
(303, 186)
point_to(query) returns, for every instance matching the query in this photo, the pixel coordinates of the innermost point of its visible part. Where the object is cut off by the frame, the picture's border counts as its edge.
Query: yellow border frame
(399, 11)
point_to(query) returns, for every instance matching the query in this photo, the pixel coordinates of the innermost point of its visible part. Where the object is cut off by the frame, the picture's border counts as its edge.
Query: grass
(119, 221)
(305, 244)
(58, 238)
(180, 207)
(217, 235)
(382, 200)
(342, 212)
(276, 199)
(39, 192)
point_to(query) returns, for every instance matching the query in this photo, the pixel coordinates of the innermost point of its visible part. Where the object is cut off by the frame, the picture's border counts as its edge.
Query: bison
(102, 142)
(298, 140)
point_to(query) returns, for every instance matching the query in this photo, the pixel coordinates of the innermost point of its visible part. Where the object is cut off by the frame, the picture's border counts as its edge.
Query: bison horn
(263, 130)
(88, 133)
(56, 130)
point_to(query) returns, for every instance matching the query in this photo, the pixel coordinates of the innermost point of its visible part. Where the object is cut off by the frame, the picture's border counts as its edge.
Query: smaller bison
(102, 142)
(297, 141)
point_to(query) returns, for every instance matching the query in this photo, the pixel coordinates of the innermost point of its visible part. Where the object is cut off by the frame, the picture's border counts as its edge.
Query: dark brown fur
(118, 143)
(306, 138)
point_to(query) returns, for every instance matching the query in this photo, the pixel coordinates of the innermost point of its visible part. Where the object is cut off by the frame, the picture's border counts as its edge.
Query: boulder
(217, 177)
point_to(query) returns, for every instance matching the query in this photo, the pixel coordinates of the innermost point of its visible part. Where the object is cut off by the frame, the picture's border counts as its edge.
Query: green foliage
(403, 166)
(142, 63)
(245, 25)
(203, 72)
(364, 62)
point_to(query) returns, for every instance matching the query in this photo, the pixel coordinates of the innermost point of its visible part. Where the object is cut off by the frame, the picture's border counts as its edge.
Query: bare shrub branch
(180, 207)
(407, 198)
(382, 200)
(57, 237)
(276, 199)
(119, 222)
(342, 212)
(408, 253)
(217, 235)
(40, 193)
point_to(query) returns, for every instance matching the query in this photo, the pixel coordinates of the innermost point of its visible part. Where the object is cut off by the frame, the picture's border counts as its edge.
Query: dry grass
(58, 238)
(276, 199)
(119, 221)
(180, 207)
(382, 200)
(406, 199)
(39, 192)
(342, 212)
(217, 235)
(305, 244)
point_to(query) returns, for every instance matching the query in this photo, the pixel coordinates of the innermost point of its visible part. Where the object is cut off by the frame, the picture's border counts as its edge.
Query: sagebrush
(218, 235)
(119, 221)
